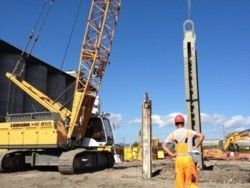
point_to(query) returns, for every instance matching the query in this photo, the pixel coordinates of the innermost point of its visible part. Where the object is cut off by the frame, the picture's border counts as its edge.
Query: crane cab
(99, 132)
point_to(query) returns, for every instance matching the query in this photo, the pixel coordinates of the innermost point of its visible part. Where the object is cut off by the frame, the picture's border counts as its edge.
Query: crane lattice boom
(94, 58)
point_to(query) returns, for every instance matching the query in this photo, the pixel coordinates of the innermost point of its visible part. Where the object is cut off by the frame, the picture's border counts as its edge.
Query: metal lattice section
(95, 53)
(97, 44)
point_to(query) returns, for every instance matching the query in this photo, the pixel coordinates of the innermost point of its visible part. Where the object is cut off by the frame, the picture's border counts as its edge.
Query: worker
(99, 135)
(185, 168)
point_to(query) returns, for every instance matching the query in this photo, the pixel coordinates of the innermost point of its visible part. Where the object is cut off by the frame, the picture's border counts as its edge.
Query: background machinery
(231, 139)
(62, 137)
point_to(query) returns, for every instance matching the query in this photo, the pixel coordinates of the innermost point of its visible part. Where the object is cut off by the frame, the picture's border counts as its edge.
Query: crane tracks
(66, 161)
(11, 160)
(69, 162)
(81, 160)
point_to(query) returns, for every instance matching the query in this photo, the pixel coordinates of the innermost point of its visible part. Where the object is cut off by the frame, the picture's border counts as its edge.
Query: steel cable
(189, 9)
(33, 38)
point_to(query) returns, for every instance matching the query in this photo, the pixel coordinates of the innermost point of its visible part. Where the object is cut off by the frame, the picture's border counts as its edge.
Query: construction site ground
(225, 174)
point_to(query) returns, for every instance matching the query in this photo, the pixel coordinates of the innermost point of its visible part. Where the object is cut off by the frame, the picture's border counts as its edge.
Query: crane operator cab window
(99, 133)
(95, 134)
(109, 132)
(95, 130)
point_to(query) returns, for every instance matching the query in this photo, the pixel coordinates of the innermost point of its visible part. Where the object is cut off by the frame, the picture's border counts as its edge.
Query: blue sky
(147, 56)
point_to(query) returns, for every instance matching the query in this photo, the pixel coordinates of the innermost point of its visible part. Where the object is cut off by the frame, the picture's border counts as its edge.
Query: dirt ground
(225, 174)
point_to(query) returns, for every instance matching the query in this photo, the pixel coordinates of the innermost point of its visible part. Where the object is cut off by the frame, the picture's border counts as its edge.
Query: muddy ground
(225, 174)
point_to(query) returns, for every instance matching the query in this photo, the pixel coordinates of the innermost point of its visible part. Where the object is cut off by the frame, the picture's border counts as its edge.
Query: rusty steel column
(146, 138)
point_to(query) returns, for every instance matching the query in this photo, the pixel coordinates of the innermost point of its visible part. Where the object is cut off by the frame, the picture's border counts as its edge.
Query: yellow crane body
(32, 134)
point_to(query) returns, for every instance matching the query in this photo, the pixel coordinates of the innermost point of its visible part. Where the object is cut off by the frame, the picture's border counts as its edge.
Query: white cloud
(116, 119)
(216, 120)
(158, 120)
(134, 121)
(166, 120)
(237, 120)
(214, 126)
(239, 129)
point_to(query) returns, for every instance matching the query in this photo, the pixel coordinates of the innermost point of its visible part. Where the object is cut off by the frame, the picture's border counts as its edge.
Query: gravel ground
(225, 174)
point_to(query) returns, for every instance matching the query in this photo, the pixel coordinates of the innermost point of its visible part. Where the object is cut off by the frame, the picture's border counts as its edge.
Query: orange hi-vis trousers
(185, 172)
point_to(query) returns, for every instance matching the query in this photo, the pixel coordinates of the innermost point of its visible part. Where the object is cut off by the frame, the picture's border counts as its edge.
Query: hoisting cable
(34, 28)
(30, 38)
(188, 24)
(189, 9)
(71, 34)
(67, 89)
(33, 38)
(69, 98)
(66, 52)
(41, 26)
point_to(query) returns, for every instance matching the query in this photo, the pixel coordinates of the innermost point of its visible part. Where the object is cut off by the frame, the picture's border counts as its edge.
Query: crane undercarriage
(68, 162)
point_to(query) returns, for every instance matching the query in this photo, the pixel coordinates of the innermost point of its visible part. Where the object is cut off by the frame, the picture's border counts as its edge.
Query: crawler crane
(60, 137)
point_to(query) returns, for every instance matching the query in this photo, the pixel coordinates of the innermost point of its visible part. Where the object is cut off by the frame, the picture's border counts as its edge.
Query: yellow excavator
(231, 139)
(66, 138)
